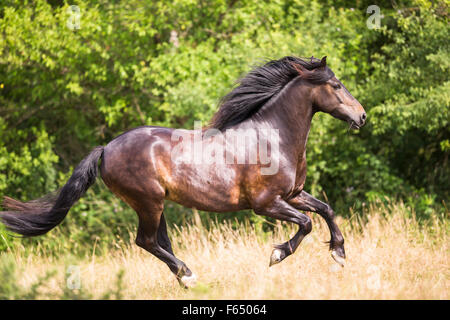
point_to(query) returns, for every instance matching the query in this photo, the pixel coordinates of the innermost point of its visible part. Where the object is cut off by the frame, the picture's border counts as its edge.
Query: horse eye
(336, 86)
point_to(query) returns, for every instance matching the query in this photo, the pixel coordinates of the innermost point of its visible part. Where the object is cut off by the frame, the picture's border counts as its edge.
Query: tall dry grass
(389, 256)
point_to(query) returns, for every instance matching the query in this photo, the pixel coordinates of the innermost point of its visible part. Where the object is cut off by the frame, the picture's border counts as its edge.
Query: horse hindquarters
(127, 170)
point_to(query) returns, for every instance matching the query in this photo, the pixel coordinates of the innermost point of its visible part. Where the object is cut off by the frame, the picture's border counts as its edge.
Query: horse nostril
(363, 117)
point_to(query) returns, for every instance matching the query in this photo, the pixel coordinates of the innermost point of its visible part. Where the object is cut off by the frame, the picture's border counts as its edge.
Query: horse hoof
(275, 257)
(188, 281)
(337, 258)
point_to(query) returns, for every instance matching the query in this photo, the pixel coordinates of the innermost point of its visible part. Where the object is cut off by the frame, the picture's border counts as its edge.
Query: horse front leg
(279, 209)
(306, 202)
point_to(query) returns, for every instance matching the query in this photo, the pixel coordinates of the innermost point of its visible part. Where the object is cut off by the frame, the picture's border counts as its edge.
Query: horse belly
(209, 188)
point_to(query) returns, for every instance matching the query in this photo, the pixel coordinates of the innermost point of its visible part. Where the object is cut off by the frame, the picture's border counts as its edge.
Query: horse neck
(291, 114)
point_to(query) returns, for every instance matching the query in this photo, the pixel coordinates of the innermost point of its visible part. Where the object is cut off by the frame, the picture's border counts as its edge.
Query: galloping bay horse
(141, 168)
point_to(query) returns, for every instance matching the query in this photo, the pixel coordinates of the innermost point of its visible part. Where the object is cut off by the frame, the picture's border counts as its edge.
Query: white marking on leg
(189, 281)
(276, 254)
(275, 257)
(337, 258)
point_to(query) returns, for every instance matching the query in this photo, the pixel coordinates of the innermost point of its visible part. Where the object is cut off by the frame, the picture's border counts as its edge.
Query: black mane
(260, 85)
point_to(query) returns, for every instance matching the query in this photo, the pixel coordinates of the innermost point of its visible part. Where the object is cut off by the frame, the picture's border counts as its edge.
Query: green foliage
(165, 63)
(27, 169)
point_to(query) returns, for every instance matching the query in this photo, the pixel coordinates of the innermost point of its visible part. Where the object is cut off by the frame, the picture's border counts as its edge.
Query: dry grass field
(389, 256)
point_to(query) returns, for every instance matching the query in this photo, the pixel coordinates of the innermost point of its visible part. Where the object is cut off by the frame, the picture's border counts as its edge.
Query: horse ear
(323, 62)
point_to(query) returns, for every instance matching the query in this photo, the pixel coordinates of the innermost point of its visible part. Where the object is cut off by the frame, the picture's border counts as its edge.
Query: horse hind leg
(152, 236)
(187, 278)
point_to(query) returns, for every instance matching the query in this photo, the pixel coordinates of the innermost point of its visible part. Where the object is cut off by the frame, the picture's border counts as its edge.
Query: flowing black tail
(37, 217)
